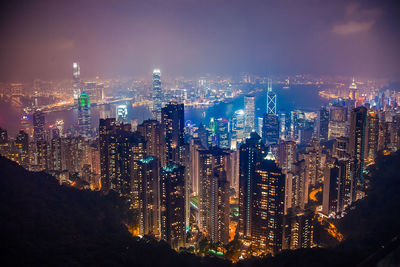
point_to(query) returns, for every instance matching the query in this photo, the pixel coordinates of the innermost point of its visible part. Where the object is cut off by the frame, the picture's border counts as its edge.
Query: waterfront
(303, 97)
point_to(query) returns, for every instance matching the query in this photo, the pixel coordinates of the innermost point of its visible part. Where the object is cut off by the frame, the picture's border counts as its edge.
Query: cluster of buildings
(184, 182)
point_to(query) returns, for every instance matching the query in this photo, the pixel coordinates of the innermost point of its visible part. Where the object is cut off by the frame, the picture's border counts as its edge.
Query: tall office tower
(271, 99)
(172, 120)
(353, 91)
(323, 124)
(128, 147)
(268, 206)
(297, 122)
(172, 203)
(4, 146)
(300, 185)
(148, 173)
(152, 131)
(212, 130)
(249, 114)
(76, 73)
(339, 186)
(299, 230)
(212, 171)
(270, 131)
(284, 126)
(238, 127)
(202, 134)
(195, 146)
(157, 95)
(220, 208)
(357, 140)
(22, 149)
(41, 155)
(260, 126)
(223, 140)
(287, 156)
(55, 154)
(107, 166)
(341, 148)
(84, 119)
(337, 122)
(372, 136)
(251, 153)
(38, 126)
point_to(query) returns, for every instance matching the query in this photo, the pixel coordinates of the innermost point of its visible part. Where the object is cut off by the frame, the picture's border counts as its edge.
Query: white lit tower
(270, 130)
(271, 99)
(76, 80)
(157, 95)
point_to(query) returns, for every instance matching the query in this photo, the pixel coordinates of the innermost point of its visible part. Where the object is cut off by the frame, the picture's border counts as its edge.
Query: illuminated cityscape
(237, 166)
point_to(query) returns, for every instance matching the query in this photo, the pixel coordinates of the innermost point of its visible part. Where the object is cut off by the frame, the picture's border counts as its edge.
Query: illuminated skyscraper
(372, 136)
(357, 140)
(38, 125)
(173, 125)
(323, 124)
(251, 153)
(238, 127)
(152, 131)
(148, 175)
(270, 131)
(172, 202)
(353, 91)
(157, 95)
(249, 114)
(268, 206)
(22, 149)
(337, 122)
(223, 140)
(84, 119)
(213, 213)
(271, 99)
(76, 80)
(121, 113)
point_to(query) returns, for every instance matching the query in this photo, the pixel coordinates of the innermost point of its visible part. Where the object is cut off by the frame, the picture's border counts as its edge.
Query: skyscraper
(157, 95)
(357, 140)
(223, 138)
(173, 124)
(251, 153)
(76, 80)
(38, 125)
(323, 124)
(172, 202)
(107, 169)
(152, 131)
(337, 122)
(84, 119)
(22, 147)
(148, 175)
(353, 91)
(270, 131)
(249, 114)
(268, 206)
(212, 175)
(271, 99)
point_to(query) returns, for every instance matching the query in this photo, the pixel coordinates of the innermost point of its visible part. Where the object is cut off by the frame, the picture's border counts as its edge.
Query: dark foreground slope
(43, 223)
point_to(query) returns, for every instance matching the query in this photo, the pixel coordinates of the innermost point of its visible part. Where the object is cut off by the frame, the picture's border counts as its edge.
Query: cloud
(357, 19)
(353, 27)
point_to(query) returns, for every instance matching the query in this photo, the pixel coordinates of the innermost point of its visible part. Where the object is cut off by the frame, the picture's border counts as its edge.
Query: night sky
(41, 39)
